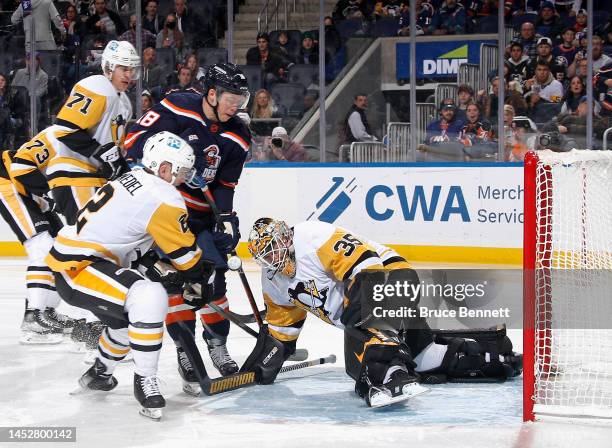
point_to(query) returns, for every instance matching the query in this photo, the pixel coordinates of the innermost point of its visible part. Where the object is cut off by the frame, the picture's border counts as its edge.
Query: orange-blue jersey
(221, 148)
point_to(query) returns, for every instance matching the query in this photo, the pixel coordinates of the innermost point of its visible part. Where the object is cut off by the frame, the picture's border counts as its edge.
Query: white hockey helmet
(120, 53)
(168, 147)
(271, 245)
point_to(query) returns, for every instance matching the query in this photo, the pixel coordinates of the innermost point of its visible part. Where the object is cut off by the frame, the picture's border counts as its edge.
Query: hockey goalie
(319, 268)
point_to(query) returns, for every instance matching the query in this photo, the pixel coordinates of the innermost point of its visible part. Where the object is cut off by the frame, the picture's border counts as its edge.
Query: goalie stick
(214, 386)
(246, 318)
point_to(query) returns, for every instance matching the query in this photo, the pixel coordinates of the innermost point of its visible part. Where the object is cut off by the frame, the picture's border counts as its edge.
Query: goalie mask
(271, 245)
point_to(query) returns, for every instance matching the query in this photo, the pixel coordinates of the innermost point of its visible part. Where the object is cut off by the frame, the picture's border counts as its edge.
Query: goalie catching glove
(112, 162)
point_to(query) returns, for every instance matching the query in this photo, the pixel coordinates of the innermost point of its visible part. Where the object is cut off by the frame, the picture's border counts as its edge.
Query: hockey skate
(77, 337)
(96, 379)
(146, 391)
(65, 323)
(191, 385)
(399, 385)
(35, 330)
(220, 357)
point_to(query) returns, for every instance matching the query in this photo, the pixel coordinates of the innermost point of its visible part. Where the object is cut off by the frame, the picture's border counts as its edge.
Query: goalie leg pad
(467, 360)
(369, 354)
(267, 357)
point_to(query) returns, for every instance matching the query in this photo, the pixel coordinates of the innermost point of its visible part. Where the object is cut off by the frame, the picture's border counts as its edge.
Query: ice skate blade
(192, 389)
(31, 338)
(152, 413)
(383, 398)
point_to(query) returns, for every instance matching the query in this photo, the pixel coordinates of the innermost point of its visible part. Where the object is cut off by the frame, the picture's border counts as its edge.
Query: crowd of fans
(545, 74)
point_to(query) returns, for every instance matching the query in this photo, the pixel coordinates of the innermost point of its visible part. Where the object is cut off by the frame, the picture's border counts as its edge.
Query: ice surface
(310, 407)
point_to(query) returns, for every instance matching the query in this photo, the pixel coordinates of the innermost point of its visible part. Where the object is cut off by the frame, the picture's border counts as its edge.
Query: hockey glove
(225, 241)
(199, 294)
(267, 357)
(112, 162)
(161, 271)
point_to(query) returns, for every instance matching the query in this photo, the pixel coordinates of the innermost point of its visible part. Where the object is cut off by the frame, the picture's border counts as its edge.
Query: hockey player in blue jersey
(221, 141)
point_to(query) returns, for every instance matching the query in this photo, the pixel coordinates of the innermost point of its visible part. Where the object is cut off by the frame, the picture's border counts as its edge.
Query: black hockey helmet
(226, 76)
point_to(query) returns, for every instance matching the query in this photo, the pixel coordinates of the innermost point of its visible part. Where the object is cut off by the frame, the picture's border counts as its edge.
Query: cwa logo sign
(446, 64)
(383, 202)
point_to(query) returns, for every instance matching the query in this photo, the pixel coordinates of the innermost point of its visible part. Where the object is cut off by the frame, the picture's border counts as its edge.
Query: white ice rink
(311, 407)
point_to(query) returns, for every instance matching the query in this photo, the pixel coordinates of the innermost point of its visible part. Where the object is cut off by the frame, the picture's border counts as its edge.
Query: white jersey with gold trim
(94, 114)
(121, 222)
(326, 257)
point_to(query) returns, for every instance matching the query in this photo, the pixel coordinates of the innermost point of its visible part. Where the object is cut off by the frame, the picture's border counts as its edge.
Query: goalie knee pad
(480, 356)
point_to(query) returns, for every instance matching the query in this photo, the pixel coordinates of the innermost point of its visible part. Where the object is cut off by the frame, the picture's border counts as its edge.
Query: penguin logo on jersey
(212, 160)
(183, 223)
(117, 128)
(308, 297)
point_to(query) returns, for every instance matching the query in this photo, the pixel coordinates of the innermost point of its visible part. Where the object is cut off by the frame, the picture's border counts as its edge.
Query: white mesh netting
(573, 337)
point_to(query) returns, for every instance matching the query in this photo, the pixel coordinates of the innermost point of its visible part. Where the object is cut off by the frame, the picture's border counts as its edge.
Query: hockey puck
(234, 263)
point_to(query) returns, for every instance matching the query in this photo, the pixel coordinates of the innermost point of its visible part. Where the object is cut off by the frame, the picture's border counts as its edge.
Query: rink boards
(452, 212)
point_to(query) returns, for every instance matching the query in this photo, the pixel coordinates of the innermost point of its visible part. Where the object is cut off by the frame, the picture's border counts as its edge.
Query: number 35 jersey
(326, 257)
(94, 114)
(122, 220)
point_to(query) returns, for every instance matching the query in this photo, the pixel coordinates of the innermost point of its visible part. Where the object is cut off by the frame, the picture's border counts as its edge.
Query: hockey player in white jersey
(94, 262)
(322, 269)
(79, 153)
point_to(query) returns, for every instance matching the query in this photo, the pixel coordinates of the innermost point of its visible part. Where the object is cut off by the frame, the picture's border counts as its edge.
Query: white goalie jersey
(326, 257)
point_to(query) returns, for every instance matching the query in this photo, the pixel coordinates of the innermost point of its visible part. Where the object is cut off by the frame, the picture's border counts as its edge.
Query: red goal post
(567, 260)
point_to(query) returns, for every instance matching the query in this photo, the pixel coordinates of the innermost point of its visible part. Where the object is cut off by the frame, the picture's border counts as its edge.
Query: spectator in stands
(572, 96)
(148, 39)
(74, 30)
(465, 96)
(282, 148)
(6, 120)
(549, 23)
(151, 20)
(263, 105)
(350, 9)
(477, 133)
(267, 58)
(42, 13)
(518, 134)
(197, 72)
(333, 41)
(581, 20)
(152, 74)
(599, 57)
(517, 63)
(104, 21)
(575, 125)
(449, 19)
(356, 126)
(448, 128)
(543, 87)
(602, 90)
(93, 61)
(529, 39)
(309, 52)
(424, 12)
(185, 82)
(544, 55)
(197, 30)
(171, 37)
(146, 101)
(22, 77)
(565, 52)
(488, 100)
(285, 47)
(310, 99)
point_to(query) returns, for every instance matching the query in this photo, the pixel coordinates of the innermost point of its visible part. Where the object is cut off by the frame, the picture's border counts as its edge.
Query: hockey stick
(245, 283)
(300, 354)
(246, 318)
(313, 362)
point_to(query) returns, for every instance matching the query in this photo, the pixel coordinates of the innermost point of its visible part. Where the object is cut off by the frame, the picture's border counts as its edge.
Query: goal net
(568, 284)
